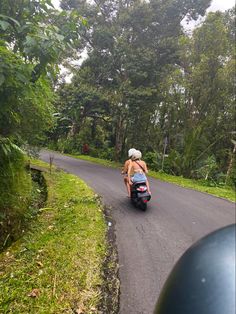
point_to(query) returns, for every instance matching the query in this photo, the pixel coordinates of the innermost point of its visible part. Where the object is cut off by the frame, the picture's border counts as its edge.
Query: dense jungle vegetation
(145, 83)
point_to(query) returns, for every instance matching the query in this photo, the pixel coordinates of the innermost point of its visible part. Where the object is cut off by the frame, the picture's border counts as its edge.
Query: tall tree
(130, 44)
(31, 47)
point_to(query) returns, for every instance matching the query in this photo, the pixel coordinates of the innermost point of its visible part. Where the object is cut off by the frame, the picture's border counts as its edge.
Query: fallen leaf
(45, 208)
(61, 298)
(79, 311)
(34, 293)
(40, 264)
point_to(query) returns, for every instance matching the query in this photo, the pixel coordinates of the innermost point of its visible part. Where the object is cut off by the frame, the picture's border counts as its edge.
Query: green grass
(57, 266)
(223, 192)
(200, 185)
(100, 161)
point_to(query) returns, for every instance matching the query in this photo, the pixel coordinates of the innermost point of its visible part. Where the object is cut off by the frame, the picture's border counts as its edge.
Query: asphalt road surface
(149, 243)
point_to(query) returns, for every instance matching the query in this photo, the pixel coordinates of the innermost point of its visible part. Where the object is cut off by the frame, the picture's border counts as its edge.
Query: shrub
(173, 163)
(153, 160)
(15, 188)
(107, 153)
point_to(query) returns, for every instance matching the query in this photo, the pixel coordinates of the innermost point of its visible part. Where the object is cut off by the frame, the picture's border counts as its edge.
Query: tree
(34, 39)
(211, 99)
(79, 106)
(32, 45)
(130, 45)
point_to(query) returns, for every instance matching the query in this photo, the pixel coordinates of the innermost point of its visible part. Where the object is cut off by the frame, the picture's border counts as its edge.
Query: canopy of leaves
(35, 38)
(158, 81)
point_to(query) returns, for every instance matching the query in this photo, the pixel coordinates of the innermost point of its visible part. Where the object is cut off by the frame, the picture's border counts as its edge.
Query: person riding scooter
(137, 170)
(125, 170)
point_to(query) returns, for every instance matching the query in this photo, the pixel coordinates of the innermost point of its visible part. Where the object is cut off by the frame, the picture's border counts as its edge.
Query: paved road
(149, 243)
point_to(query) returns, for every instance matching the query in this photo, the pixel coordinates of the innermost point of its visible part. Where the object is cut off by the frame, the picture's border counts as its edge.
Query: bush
(153, 160)
(231, 180)
(15, 189)
(15, 182)
(107, 154)
(104, 153)
(173, 163)
(208, 171)
(67, 146)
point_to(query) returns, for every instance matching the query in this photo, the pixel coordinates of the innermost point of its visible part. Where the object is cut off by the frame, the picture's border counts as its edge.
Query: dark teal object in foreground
(203, 280)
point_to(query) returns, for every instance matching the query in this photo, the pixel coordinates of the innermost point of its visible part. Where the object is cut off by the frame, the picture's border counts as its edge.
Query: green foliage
(145, 80)
(67, 274)
(208, 169)
(35, 39)
(105, 153)
(153, 160)
(15, 182)
(173, 164)
(130, 46)
(24, 105)
(15, 191)
(40, 33)
(231, 180)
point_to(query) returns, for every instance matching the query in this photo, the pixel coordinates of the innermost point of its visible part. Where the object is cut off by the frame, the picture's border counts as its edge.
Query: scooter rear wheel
(143, 206)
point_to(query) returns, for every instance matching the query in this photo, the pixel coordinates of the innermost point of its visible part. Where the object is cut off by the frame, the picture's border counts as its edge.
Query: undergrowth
(56, 266)
(15, 191)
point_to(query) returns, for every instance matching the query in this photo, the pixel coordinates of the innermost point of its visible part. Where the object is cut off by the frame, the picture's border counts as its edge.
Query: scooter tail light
(141, 189)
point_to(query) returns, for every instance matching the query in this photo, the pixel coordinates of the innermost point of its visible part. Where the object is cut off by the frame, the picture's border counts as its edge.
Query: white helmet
(131, 151)
(137, 155)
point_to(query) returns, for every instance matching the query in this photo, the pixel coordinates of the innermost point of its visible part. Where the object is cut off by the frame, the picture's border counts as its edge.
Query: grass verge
(57, 267)
(224, 192)
(104, 162)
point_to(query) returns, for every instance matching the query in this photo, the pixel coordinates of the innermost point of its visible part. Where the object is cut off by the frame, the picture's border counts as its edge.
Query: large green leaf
(9, 18)
(4, 25)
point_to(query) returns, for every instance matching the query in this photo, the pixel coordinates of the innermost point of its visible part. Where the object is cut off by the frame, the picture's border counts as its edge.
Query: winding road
(149, 243)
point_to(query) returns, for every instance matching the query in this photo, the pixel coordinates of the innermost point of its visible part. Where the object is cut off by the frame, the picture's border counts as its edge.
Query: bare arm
(125, 167)
(145, 167)
(129, 172)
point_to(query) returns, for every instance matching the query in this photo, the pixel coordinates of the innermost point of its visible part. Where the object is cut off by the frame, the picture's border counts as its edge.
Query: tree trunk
(119, 137)
(230, 164)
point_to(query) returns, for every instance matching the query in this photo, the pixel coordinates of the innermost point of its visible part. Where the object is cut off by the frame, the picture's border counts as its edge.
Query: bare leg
(148, 187)
(128, 189)
(127, 186)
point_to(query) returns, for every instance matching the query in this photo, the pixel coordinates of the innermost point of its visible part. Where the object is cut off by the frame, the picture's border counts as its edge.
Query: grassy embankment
(57, 266)
(199, 185)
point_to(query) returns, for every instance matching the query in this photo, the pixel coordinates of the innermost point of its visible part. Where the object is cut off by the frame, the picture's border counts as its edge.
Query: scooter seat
(139, 182)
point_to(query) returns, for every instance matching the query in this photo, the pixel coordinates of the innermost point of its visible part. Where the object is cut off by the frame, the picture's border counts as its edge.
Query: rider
(137, 170)
(125, 169)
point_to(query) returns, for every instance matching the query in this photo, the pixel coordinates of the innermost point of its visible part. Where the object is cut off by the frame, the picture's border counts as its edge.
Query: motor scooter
(139, 195)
